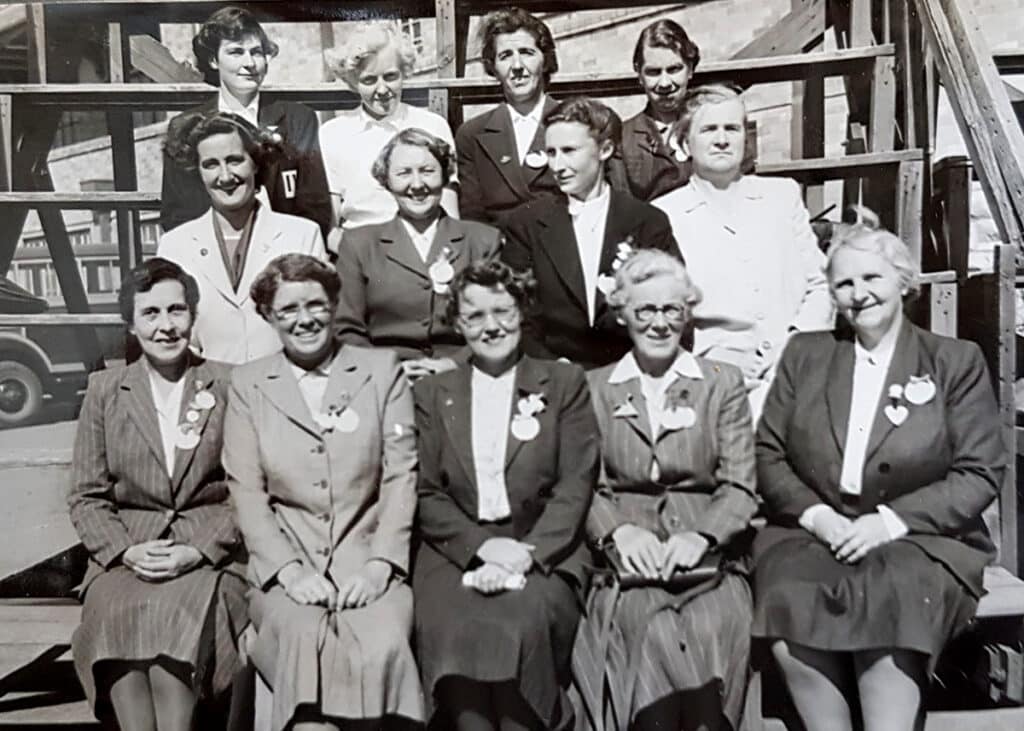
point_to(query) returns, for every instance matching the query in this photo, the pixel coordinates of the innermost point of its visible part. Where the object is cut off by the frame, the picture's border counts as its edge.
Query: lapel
(272, 113)
(282, 390)
(142, 410)
(183, 459)
(628, 394)
(456, 388)
(398, 247)
(839, 389)
(537, 144)
(683, 392)
(262, 247)
(449, 234)
(346, 379)
(558, 241)
(906, 362)
(648, 139)
(617, 228)
(209, 262)
(499, 142)
(531, 378)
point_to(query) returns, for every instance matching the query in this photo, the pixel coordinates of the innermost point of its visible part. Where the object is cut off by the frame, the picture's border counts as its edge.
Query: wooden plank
(1009, 505)
(910, 206)
(860, 23)
(942, 309)
(848, 166)
(807, 129)
(444, 22)
(122, 147)
(1005, 596)
(86, 201)
(983, 112)
(92, 319)
(35, 624)
(993, 719)
(116, 60)
(36, 22)
(799, 30)
(882, 132)
(152, 58)
(461, 41)
(15, 657)
(437, 101)
(6, 143)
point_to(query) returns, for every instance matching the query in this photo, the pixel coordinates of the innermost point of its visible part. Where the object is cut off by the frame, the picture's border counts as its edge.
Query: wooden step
(1005, 597)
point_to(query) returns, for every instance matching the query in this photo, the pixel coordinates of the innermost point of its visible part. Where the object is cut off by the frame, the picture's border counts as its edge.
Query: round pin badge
(919, 390)
(347, 421)
(680, 417)
(205, 400)
(441, 272)
(191, 416)
(186, 439)
(536, 159)
(526, 428)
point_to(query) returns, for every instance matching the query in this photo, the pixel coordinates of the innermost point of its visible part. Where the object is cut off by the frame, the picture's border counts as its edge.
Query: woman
(373, 63)
(747, 240)
(233, 53)
(320, 454)
(508, 457)
(226, 247)
(676, 490)
(396, 275)
(876, 454)
(162, 607)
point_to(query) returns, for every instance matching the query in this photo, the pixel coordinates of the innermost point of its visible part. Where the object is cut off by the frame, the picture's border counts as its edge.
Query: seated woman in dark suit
(508, 458)
(148, 499)
(676, 487)
(320, 454)
(396, 275)
(877, 451)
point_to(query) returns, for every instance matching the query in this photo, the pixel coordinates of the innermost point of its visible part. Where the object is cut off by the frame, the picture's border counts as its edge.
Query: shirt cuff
(807, 517)
(894, 525)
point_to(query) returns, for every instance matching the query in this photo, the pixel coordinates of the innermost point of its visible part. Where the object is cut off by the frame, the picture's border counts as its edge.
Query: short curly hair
(701, 96)
(292, 268)
(227, 24)
(186, 132)
(146, 276)
(646, 264)
(509, 20)
(415, 137)
(364, 42)
(493, 273)
(666, 33)
(876, 240)
(600, 119)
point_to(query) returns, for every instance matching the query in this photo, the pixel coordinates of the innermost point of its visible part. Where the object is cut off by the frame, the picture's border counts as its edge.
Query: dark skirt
(521, 636)
(194, 619)
(896, 597)
(639, 646)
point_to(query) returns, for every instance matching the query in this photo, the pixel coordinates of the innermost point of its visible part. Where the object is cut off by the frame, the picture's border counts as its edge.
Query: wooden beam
(1009, 505)
(117, 64)
(152, 58)
(799, 30)
(982, 110)
(6, 143)
(447, 41)
(860, 23)
(910, 206)
(122, 148)
(943, 309)
(882, 132)
(461, 42)
(90, 201)
(36, 22)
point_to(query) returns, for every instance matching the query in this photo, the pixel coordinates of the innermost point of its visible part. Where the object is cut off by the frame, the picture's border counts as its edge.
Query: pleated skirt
(352, 664)
(524, 636)
(639, 646)
(896, 597)
(194, 619)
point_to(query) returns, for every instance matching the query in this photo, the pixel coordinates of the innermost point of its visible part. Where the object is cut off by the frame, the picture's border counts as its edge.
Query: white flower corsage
(678, 414)
(525, 425)
(918, 391)
(338, 417)
(536, 159)
(196, 414)
(606, 281)
(441, 271)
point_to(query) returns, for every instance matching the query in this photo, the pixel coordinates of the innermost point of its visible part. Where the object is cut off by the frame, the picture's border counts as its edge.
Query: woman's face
(416, 181)
(379, 83)
(716, 140)
(664, 76)
(575, 157)
(162, 322)
(242, 66)
(519, 66)
(228, 171)
(301, 312)
(490, 321)
(655, 315)
(867, 290)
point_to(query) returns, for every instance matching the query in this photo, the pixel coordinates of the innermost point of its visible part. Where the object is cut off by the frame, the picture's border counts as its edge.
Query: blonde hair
(646, 264)
(870, 238)
(364, 42)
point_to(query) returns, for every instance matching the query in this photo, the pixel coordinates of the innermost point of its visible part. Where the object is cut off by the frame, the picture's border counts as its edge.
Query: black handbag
(707, 568)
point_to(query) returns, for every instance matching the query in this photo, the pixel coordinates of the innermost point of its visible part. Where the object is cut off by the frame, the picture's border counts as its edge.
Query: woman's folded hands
(506, 562)
(161, 559)
(305, 586)
(643, 553)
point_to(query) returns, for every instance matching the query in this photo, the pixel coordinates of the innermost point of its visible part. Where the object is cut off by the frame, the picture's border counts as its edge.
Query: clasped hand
(305, 586)
(850, 540)
(502, 557)
(418, 367)
(643, 554)
(161, 559)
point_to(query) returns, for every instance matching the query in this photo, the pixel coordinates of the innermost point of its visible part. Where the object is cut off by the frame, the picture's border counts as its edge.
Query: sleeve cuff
(893, 523)
(809, 515)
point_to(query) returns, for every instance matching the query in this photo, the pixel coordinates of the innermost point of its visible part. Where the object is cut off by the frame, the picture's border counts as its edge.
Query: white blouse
(168, 415)
(491, 406)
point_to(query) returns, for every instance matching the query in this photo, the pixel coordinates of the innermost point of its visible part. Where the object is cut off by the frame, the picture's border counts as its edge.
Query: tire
(21, 393)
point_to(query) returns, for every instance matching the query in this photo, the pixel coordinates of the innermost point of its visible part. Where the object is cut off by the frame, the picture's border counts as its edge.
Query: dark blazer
(938, 470)
(387, 299)
(540, 236)
(492, 181)
(550, 479)
(295, 180)
(643, 164)
(120, 492)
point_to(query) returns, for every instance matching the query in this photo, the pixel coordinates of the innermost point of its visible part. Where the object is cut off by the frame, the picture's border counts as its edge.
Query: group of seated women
(408, 503)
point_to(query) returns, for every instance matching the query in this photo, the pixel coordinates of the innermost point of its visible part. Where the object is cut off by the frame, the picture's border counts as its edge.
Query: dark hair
(226, 24)
(292, 268)
(186, 132)
(145, 276)
(501, 22)
(493, 273)
(416, 137)
(668, 34)
(600, 119)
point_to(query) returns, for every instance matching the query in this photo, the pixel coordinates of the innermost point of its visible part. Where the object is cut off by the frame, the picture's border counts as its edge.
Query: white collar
(427, 235)
(882, 353)
(576, 206)
(533, 115)
(228, 103)
(480, 377)
(394, 119)
(322, 371)
(685, 365)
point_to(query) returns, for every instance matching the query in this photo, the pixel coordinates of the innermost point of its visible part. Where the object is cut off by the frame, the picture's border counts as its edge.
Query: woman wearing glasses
(508, 458)
(320, 455)
(659, 649)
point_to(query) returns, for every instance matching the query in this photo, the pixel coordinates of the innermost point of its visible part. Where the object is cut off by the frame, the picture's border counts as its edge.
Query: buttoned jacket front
(651, 168)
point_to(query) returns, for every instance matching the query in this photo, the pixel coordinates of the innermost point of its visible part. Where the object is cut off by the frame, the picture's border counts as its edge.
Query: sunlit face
(664, 76)
(519, 66)
(575, 157)
(302, 313)
(416, 182)
(867, 290)
(379, 83)
(490, 321)
(655, 316)
(228, 171)
(162, 322)
(242, 66)
(716, 139)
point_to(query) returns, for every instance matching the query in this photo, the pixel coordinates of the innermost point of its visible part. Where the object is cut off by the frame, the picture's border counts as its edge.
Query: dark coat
(643, 164)
(540, 236)
(295, 180)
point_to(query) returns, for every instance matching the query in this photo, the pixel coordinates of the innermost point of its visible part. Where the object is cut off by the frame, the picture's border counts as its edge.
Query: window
(149, 232)
(413, 29)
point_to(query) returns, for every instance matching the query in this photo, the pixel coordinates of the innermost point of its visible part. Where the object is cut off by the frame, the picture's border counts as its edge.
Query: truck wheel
(21, 393)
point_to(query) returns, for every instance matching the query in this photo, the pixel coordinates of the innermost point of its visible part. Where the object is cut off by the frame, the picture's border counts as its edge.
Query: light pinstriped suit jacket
(120, 492)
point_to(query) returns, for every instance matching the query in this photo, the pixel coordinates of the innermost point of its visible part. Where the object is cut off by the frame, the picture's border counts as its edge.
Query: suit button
(884, 468)
(325, 517)
(170, 514)
(322, 484)
(766, 345)
(426, 285)
(318, 449)
(325, 551)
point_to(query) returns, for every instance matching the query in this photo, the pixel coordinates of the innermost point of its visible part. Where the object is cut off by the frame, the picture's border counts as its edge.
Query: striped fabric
(639, 646)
